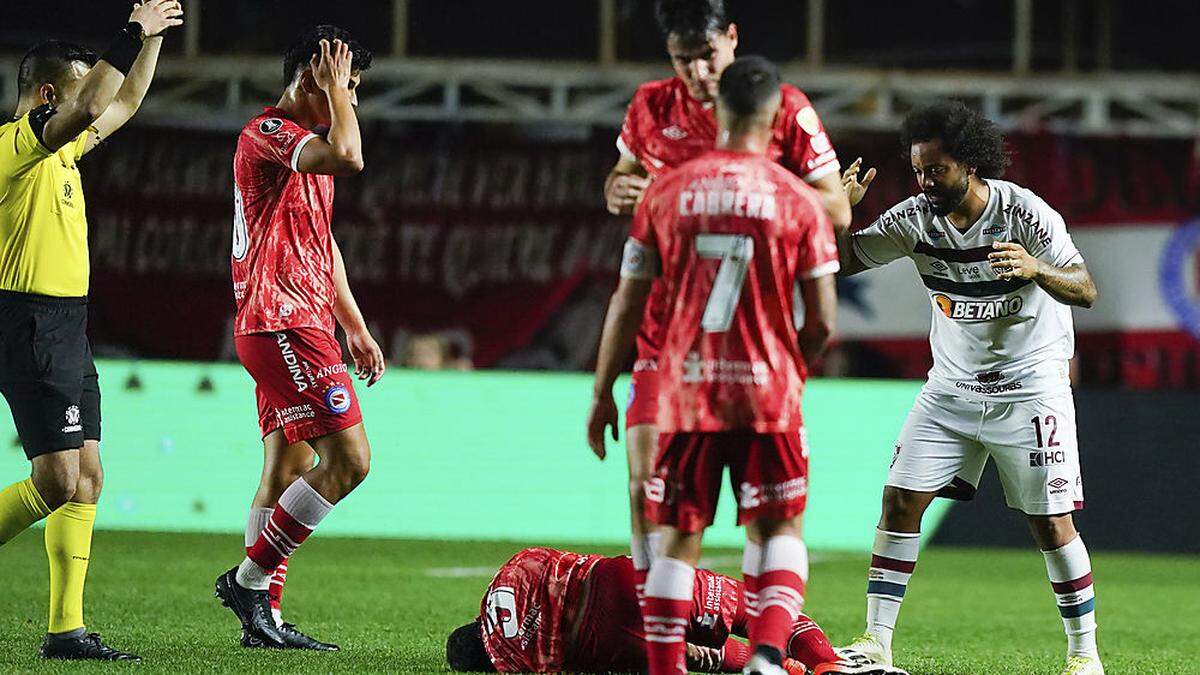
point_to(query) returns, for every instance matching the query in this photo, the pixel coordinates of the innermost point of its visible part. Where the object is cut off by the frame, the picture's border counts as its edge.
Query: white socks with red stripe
(893, 559)
(298, 513)
(1070, 571)
(665, 614)
(780, 582)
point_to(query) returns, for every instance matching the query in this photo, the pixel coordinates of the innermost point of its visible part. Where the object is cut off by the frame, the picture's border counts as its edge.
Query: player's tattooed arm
(624, 186)
(369, 363)
(616, 345)
(1070, 285)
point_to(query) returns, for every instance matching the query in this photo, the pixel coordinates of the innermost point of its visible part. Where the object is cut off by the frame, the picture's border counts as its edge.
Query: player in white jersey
(1001, 272)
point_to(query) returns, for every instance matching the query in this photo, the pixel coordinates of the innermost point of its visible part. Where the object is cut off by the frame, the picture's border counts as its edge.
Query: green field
(390, 603)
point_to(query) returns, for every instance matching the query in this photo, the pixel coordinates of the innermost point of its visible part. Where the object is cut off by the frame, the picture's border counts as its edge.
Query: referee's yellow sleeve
(20, 149)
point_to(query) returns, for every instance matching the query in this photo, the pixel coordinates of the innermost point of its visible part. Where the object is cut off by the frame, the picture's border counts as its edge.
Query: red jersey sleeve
(818, 245)
(274, 140)
(807, 150)
(629, 141)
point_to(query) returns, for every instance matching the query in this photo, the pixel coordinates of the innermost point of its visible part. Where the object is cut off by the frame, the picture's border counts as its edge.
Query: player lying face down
(549, 611)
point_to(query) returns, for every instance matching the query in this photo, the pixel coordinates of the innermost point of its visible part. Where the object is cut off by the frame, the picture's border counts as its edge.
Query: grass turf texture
(390, 604)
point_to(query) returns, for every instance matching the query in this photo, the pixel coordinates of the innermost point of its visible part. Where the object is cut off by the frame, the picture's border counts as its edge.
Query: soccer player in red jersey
(549, 611)
(290, 286)
(668, 123)
(731, 234)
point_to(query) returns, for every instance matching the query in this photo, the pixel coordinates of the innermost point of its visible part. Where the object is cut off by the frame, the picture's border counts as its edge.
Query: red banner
(498, 243)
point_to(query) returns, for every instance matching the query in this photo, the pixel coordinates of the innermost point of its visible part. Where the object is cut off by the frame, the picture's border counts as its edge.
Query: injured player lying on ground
(552, 611)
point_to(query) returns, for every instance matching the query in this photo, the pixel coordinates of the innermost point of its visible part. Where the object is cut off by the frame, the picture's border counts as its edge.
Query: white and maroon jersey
(730, 233)
(665, 127)
(992, 339)
(282, 242)
(525, 613)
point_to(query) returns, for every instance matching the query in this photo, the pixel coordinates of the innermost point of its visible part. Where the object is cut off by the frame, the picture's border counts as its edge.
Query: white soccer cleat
(867, 649)
(761, 665)
(1083, 665)
(848, 667)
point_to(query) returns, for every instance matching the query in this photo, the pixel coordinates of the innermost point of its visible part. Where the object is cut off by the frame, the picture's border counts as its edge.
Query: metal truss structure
(222, 92)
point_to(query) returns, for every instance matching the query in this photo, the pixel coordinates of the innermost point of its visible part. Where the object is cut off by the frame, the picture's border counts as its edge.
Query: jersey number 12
(735, 251)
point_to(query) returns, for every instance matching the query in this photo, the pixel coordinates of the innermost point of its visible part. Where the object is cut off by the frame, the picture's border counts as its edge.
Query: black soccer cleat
(295, 640)
(82, 647)
(253, 609)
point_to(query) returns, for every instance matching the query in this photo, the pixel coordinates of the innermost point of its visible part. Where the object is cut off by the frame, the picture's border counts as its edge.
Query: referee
(68, 100)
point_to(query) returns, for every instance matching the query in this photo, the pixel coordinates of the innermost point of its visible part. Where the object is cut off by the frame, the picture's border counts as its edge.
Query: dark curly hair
(966, 135)
(308, 45)
(691, 20)
(465, 651)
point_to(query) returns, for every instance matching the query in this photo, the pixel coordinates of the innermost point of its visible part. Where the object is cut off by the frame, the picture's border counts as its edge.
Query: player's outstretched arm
(131, 94)
(820, 315)
(1070, 285)
(616, 345)
(624, 186)
(854, 189)
(340, 152)
(369, 363)
(100, 87)
(833, 198)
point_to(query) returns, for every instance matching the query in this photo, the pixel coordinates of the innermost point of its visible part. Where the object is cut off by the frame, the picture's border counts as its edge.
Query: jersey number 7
(735, 251)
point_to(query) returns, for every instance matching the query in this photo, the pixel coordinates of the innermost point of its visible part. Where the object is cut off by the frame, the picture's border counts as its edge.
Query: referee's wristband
(125, 48)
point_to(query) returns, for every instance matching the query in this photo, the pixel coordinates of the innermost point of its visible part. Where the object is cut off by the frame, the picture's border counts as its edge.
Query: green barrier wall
(484, 455)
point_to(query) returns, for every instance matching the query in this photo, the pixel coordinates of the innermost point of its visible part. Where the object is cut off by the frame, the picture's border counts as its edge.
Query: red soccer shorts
(642, 407)
(769, 474)
(303, 386)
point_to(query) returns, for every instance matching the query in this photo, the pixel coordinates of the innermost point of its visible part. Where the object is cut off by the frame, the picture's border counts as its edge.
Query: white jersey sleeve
(1042, 231)
(886, 239)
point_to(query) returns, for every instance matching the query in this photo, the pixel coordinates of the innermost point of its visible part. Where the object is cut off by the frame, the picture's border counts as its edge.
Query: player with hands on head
(291, 290)
(1002, 273)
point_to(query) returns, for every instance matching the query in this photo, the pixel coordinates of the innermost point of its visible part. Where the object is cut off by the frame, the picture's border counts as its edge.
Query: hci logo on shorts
(337, 399)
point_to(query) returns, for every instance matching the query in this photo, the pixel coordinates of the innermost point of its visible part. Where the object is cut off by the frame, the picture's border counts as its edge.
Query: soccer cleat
(765, 661)
(1083, 665)
(82, 647)
(848, 667)
(866, 649)
(253, 609)
(296, 640)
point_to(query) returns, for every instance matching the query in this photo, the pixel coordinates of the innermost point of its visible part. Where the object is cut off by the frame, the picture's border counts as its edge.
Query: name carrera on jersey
(727, 202)
(978, 310)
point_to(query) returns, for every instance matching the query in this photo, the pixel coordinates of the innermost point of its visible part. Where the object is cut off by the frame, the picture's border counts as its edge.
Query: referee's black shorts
(47, 374)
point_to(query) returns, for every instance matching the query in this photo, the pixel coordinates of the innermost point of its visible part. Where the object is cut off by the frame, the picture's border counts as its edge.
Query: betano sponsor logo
(978, 310)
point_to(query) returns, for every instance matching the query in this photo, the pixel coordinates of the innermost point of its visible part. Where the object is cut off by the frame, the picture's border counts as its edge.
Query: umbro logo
(1058, 483)
(674, 133)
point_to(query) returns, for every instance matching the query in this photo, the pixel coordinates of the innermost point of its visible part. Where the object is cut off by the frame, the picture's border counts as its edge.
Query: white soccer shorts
(1032, 442)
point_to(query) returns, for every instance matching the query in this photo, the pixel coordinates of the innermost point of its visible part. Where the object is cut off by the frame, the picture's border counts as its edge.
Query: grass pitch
(390, 604)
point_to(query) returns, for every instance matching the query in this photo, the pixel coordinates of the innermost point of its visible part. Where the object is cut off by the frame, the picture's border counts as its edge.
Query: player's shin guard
(1070, 571)
(751, 564)
(256, 522)
(781, 591)
(20, 507)
(665, 615)
(298, 513)
(893, 559)
(808, 644)
(68, 548)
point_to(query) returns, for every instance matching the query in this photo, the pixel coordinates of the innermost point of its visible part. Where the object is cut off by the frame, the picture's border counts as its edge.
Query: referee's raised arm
(69, 116)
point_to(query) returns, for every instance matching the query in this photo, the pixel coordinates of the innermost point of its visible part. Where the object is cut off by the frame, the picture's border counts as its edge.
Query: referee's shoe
(80, 645)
